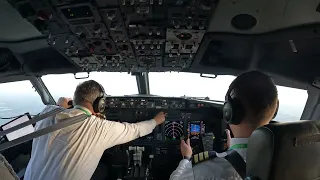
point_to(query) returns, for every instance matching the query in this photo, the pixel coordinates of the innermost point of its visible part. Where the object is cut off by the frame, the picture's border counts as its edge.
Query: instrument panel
(122, 35)
(185, 118)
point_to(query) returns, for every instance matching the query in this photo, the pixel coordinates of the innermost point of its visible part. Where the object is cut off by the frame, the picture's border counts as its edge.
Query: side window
(17, 98)
(291, 103)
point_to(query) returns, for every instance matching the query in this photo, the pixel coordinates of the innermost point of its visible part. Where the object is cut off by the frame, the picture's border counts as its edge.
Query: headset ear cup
(238, 111)
(102, 105)
(233, 112)
(99, 105)
(227, 112)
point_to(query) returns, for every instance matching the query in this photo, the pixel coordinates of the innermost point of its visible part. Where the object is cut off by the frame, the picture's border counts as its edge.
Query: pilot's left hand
(186, 149)
(63, 102)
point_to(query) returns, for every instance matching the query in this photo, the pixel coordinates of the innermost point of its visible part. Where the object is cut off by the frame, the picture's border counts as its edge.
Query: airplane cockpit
(175, 56)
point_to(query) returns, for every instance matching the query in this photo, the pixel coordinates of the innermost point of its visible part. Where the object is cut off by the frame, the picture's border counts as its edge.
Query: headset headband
(102, 92)
(231, 91)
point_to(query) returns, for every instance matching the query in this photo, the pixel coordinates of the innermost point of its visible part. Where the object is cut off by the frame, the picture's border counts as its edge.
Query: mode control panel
(140, 102)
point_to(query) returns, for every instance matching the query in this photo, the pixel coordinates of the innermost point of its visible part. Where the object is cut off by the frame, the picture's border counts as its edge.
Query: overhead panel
(123, 35)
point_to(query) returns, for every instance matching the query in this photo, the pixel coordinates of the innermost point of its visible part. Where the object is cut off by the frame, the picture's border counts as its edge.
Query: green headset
(233, 110)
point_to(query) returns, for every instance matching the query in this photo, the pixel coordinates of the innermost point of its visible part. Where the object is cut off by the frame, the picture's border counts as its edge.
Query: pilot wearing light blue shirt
(251, 102)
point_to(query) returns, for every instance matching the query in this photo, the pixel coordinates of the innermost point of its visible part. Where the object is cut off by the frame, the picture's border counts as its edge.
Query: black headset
(233, 110)
(99, 104)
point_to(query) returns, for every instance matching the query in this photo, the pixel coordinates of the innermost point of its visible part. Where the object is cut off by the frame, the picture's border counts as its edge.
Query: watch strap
(187, 158)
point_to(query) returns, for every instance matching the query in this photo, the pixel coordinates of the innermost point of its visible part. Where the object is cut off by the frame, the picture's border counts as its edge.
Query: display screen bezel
(1, 127)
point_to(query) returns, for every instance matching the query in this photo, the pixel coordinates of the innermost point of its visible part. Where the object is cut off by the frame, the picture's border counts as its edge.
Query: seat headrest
(283, 151)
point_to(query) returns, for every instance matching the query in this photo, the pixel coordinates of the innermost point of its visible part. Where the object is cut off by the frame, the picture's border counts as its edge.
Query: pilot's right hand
(160, 118)
(186, 149)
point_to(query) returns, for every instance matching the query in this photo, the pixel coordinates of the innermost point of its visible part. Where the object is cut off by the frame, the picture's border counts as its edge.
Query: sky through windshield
(114, 83)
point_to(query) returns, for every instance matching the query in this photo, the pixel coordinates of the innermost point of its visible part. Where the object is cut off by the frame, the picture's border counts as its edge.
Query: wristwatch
(187, 158)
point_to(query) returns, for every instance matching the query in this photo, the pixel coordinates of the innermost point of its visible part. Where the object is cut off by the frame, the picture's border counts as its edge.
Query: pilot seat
(284, 151)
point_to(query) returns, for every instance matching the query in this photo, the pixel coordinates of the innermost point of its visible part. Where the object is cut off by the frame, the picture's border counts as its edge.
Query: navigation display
(20, 132)
(173, 130)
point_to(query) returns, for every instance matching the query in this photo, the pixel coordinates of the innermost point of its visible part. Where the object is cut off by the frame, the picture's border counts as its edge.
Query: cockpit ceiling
(279, 37)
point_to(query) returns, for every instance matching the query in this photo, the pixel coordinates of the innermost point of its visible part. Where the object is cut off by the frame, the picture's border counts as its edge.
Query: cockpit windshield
(115, 83)
(174, 84)
(189, 84)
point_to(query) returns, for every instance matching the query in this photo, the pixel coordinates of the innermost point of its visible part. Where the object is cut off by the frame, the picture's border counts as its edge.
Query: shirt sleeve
(183, 171)
(114, 133)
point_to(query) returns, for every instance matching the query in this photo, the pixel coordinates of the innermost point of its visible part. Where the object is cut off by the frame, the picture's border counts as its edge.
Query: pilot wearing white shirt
(254, 100)
(73, 153)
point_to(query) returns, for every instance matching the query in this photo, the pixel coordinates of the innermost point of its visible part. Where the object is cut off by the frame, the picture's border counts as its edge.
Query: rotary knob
(97, 29)
(79, 30)
(176, 24)
(189, 25)
(111, 15)
(201, 25)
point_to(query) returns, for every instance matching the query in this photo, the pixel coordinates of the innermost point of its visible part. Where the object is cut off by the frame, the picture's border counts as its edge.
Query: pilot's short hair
(87, 91)
(258, 94)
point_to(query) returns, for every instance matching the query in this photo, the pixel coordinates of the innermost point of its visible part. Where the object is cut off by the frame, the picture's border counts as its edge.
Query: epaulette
(203, 156)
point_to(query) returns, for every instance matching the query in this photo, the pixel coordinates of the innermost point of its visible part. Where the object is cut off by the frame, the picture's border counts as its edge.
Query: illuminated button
(206, 155)
(196, 158)
(201, 156)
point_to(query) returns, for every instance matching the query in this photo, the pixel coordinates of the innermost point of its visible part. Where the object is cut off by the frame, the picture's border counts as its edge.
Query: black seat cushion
(285, 151)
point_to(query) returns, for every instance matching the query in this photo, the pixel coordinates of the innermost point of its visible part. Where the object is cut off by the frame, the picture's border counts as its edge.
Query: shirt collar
(240, 145)
(238, 141)
(83, 109)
